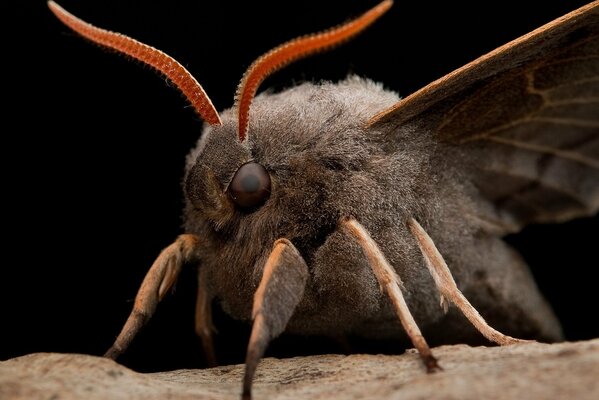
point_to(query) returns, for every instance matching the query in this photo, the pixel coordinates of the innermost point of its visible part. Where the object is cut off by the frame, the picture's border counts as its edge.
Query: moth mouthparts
(294, 50)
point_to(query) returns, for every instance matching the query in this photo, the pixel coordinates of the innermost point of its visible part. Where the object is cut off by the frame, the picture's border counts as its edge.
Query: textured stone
(531, 371)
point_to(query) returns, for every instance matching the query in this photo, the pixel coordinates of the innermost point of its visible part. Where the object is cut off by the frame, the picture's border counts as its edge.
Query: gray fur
(325, 164)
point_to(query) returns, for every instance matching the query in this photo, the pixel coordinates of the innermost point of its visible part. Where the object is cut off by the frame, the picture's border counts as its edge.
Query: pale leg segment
(390, 284)
(280, 291)
(157, 282)
(448, 288)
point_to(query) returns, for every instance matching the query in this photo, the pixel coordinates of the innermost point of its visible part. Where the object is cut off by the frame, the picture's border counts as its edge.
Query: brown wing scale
(524, 122)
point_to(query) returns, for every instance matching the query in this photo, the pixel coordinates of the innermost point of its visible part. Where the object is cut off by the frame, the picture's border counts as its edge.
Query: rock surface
(531, 371)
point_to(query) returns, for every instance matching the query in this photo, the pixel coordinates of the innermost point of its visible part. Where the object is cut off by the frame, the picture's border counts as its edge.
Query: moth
(342, 209)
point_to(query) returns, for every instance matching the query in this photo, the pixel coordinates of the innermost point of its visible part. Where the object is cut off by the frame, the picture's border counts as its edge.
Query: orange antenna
(147, 54)
(293, 50)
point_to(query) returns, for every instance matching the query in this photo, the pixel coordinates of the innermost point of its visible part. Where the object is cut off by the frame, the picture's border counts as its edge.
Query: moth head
(227, 174)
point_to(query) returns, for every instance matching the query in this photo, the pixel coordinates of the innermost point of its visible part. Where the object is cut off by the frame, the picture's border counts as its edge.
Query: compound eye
(250, 186)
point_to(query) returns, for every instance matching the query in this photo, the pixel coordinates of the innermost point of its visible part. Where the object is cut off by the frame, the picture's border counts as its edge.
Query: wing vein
(567, 121)
(578, 100)
(569, 155)
(538, 182)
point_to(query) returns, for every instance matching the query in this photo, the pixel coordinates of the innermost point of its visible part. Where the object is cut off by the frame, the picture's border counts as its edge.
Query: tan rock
(527, 371)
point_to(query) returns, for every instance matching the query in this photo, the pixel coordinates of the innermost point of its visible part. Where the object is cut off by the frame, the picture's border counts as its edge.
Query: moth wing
(523, 121)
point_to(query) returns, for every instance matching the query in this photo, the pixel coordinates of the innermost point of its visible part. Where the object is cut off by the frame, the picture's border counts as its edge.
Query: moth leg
(280, 290)
(391, 284)
(448, 288)
(157, 282)
(203, 325)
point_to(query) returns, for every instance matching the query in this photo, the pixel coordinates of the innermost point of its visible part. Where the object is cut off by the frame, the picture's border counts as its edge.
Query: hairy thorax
(324, 165)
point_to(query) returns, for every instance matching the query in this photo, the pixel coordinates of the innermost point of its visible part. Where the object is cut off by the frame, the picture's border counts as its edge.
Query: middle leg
(391, 284)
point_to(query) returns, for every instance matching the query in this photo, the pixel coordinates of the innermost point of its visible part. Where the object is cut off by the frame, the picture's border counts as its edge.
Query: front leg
(157, 282)
(203, 326)
(281, 289)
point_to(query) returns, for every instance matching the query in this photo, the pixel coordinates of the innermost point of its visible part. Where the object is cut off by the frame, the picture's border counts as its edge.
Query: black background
(94, 148)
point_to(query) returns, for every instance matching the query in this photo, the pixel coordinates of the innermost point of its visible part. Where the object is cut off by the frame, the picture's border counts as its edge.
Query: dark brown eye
(250, 186)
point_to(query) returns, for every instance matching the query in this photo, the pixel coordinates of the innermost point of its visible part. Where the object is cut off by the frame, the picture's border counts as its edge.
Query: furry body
(325, 164)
